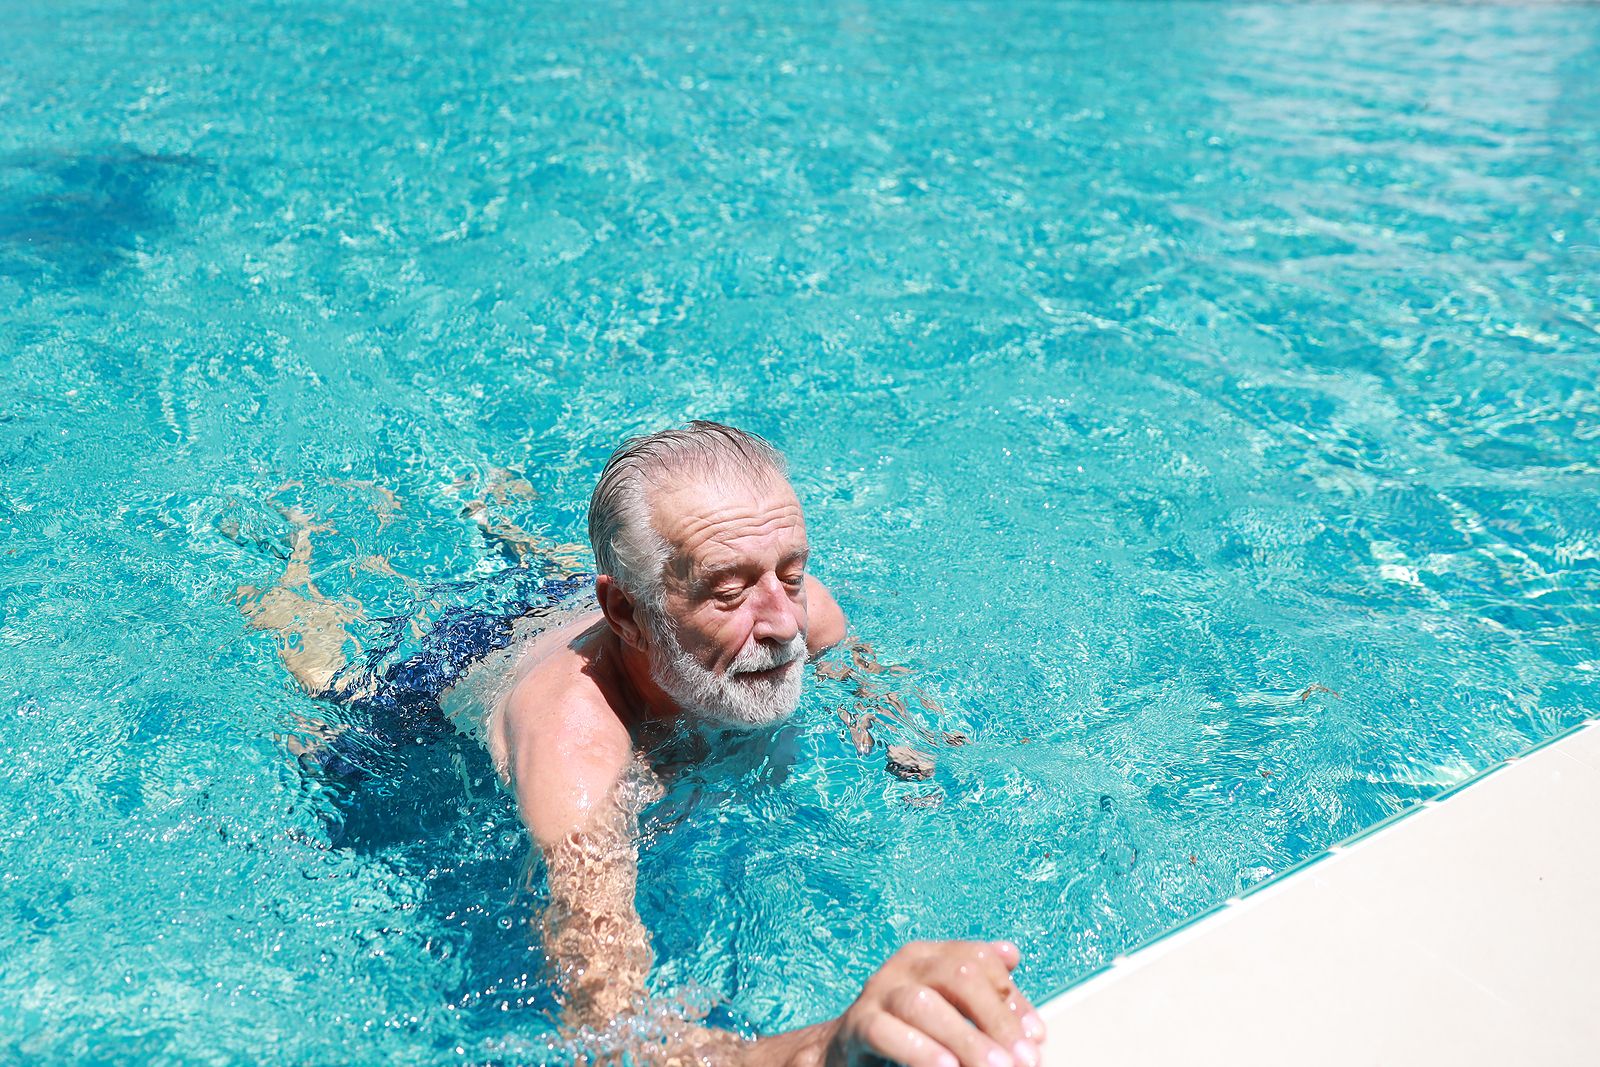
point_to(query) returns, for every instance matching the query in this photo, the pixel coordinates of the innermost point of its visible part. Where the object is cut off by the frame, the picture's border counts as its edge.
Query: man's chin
(761, 702)
(746, 701)
(768, 679)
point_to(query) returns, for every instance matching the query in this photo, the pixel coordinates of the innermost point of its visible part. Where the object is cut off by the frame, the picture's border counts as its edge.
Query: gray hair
(627, 546)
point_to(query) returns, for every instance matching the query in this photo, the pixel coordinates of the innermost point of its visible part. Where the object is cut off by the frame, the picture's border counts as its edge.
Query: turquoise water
(1200, 398)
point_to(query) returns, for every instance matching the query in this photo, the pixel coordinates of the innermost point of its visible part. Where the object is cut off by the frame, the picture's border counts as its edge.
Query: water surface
(1198, 397)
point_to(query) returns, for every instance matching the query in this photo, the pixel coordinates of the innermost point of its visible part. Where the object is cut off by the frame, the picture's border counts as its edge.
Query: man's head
(701, 548)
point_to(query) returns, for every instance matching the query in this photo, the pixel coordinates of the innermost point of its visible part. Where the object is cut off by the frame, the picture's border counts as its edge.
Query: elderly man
(705, 611)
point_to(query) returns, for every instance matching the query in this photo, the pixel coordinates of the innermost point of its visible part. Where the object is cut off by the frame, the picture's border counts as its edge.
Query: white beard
(729, 699)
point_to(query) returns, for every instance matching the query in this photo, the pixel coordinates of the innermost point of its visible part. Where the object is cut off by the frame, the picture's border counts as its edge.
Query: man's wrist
(821, 1052)
(808, 1047)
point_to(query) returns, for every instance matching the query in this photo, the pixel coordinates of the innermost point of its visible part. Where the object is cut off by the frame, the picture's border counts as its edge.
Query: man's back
(510, 695)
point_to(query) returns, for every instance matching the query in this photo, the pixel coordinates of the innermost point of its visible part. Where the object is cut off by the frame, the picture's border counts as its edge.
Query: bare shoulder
(826, 623)
(565, 749)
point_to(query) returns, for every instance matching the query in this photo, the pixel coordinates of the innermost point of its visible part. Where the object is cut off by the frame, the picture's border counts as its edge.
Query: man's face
(733, 645)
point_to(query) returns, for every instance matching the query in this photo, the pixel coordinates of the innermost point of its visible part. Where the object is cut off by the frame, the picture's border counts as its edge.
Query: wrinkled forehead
(712, 521)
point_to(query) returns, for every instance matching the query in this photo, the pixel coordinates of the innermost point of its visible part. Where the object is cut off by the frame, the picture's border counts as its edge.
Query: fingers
(1016, 1003)
(989, 967)
(931, 1014)
(983, 991)
(978, 1001)
(1032, 1025)
(1027, 1017)
(950, 999)
(896, 1040)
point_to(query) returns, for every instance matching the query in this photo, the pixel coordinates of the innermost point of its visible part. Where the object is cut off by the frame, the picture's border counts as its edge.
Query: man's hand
(941, 1004)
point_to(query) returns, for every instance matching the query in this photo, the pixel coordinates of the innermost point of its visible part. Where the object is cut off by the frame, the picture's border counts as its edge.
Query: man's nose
(778, 617)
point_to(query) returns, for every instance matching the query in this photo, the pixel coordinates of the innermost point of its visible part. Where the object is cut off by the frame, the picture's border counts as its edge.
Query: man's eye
(727, 595)
(795, 581)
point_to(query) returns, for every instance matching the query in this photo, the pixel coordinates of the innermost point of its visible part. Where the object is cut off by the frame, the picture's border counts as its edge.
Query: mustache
(758, 656)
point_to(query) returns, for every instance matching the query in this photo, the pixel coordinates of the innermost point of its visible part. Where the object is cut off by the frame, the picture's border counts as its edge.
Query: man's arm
(566, 765)
(931, 1005)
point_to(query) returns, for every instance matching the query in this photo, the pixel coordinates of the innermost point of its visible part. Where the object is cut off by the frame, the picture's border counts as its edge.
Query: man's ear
(621, 613)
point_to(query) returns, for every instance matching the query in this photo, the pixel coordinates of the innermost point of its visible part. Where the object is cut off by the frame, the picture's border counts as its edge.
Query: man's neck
(645, 701)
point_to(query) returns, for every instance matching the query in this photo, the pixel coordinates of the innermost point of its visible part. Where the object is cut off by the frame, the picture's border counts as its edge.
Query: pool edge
(1073, 1001)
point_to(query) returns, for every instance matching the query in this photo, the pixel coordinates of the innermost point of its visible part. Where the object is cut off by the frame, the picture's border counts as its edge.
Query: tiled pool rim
(1117, 967)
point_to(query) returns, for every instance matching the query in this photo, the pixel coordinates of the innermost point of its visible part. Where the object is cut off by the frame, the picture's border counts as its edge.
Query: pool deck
(1465, 931)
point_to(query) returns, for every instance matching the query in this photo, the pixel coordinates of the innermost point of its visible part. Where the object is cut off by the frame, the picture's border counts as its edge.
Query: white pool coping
(1465, 931)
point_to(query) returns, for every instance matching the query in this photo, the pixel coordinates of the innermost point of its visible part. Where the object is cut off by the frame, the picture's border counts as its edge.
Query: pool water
(1199, 398)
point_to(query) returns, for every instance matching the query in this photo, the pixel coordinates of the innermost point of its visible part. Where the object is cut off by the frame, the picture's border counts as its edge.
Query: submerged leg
(508, 538)
(311, 630)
